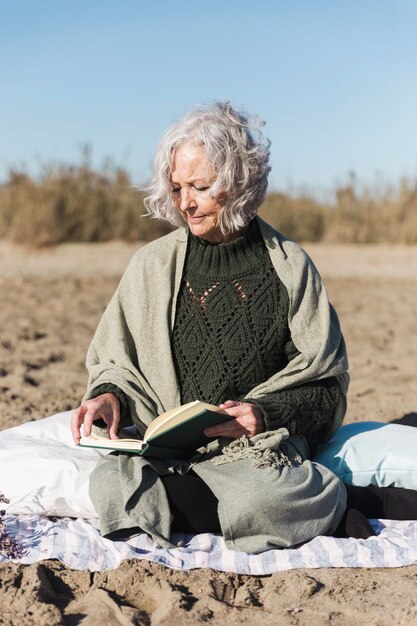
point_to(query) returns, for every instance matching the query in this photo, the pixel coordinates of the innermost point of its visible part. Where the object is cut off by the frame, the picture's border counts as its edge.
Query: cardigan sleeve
(303, 410)
(306, 409)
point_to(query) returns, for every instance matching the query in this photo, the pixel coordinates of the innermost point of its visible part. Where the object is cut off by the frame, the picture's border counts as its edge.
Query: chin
(198, 230)
(207, 234)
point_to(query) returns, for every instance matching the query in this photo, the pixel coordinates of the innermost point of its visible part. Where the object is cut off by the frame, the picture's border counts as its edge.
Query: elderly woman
(228, 311)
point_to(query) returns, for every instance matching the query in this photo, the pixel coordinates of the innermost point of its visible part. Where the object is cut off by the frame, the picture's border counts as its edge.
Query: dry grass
(384, 214)
(74, 203)
(79, 203)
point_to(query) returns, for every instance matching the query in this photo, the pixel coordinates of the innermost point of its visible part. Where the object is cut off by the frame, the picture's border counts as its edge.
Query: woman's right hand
(105, 407)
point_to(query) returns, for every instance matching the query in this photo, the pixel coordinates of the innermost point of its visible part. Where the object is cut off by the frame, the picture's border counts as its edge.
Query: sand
(50, 304)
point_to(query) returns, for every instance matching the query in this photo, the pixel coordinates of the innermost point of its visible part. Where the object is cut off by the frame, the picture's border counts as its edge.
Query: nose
(187, 199)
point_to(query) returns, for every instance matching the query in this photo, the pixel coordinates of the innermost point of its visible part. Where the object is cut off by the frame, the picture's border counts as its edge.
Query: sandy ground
(50, 304)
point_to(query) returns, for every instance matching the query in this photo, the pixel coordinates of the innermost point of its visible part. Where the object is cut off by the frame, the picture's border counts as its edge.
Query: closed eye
(197, 188)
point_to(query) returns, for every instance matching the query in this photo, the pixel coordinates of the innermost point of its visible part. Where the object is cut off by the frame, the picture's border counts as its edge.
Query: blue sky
(336, 81)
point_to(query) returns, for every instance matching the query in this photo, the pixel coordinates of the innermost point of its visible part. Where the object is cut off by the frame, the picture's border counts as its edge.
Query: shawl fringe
(260, 456)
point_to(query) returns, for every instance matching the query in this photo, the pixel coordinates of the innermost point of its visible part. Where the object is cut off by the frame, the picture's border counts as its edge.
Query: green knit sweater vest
(231, 333)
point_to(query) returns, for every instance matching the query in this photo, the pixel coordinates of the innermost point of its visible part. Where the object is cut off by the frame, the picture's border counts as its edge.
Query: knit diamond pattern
(231, 331)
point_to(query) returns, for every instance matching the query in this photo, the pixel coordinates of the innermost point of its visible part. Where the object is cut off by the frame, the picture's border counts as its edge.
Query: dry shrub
(300, 218)
(378, 214)
(381, 214)
(79, 203)
(74, 203)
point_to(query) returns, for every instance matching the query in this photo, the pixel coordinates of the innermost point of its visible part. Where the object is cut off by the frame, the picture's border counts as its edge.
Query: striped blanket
(78, 544)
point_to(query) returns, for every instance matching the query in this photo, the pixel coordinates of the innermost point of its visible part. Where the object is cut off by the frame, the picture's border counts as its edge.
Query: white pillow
(43, 472)
(372, 453)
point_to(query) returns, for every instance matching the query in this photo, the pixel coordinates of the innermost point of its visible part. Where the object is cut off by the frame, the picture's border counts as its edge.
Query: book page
(171, 418)
(96, 441)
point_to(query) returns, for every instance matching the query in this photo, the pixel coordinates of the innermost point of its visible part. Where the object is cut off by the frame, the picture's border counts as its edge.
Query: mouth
(195, 218)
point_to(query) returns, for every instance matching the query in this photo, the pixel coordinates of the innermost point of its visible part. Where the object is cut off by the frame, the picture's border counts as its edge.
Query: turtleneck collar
(232, 258)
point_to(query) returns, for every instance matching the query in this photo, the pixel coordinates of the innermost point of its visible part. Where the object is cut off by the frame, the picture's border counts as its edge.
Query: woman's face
(191, 179)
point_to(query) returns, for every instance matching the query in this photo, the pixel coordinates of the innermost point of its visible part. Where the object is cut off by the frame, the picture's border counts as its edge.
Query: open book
(174, 434)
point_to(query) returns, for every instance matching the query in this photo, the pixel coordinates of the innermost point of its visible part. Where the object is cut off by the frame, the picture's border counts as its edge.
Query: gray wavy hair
(238, 152)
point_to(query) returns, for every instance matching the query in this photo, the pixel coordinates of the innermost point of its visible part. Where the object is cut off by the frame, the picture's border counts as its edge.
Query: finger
(112, 424)
(76, 421)
(237, 410)
(234, 433)
(248, 424)
(90, 415)
(220, 429)
(112, 417)
(228, 404)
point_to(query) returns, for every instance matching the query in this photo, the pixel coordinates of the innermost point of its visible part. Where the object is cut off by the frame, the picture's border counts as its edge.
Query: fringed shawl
(269, 493)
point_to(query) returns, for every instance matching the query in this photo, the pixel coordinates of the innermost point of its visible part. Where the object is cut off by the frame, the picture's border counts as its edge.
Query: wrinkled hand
(247, 420)
(105, 407)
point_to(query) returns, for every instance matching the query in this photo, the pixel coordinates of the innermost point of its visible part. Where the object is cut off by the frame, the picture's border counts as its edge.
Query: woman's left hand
(247, 420)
